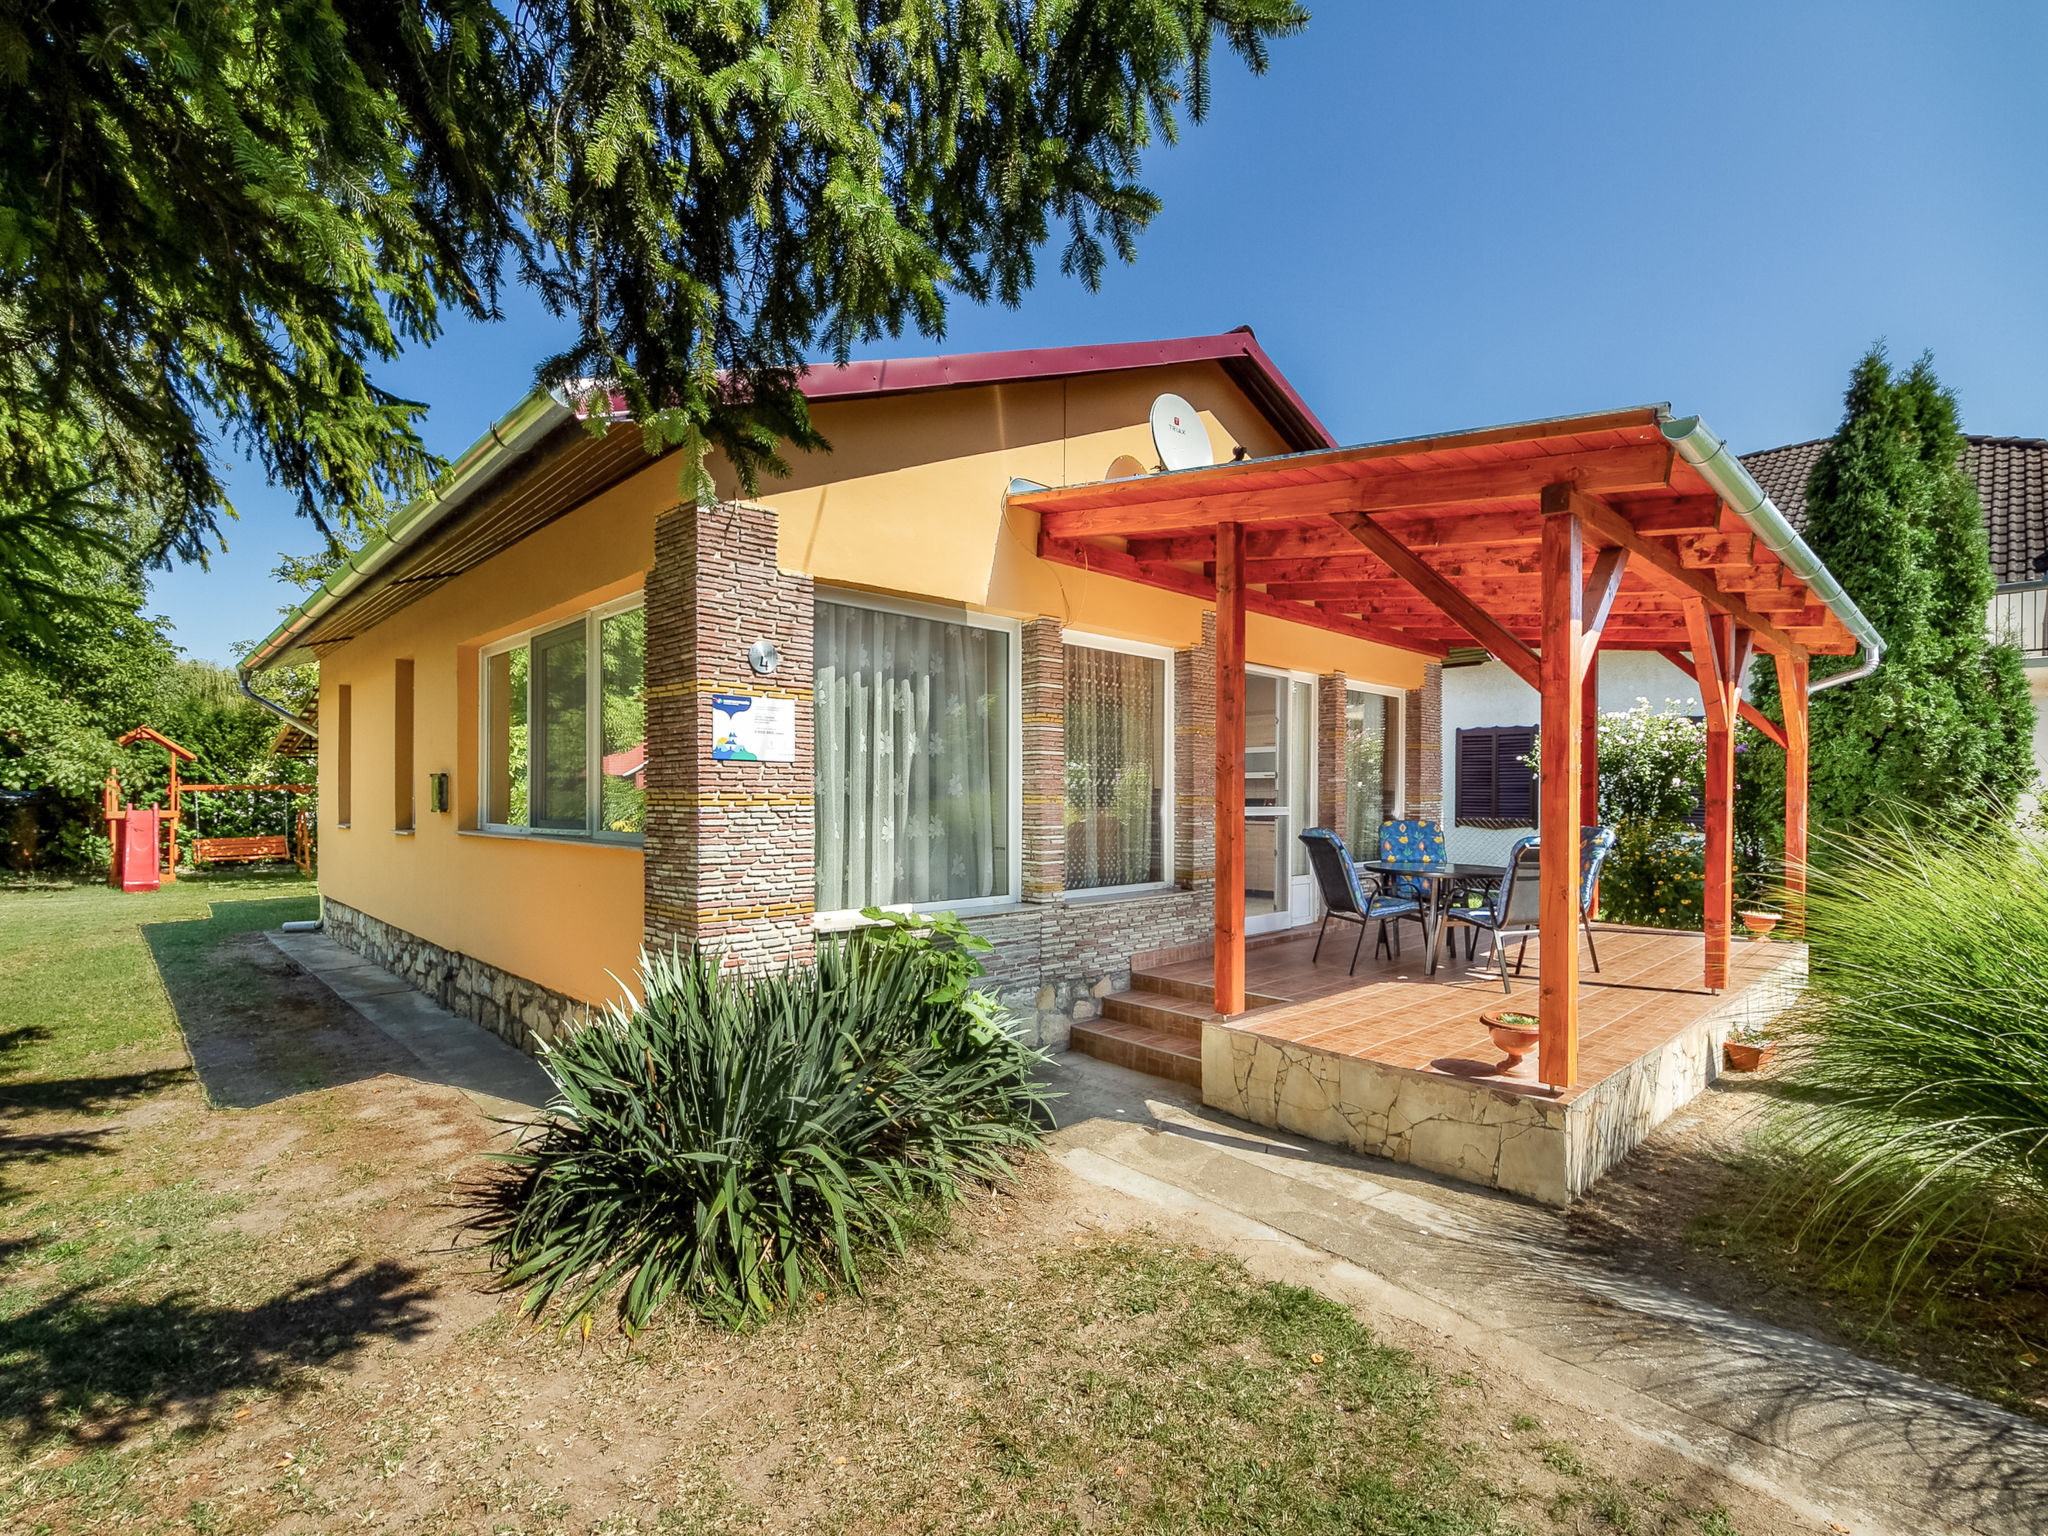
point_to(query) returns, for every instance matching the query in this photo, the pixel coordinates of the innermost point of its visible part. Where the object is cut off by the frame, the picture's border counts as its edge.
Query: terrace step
(1142, 1049)
(1161, 1011)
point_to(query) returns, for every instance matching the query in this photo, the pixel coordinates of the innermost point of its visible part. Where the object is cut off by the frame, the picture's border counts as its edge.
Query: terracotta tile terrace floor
(1647, 990)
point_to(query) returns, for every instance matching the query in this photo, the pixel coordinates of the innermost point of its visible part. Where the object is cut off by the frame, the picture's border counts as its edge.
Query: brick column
(1332, 782)
(1044, 743)
(1194, 761)
(1425, 746)
(729, 856)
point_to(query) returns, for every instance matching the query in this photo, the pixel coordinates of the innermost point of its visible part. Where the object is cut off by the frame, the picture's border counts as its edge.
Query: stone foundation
(1497, 1137)
(520, 1012)
(1053, 963)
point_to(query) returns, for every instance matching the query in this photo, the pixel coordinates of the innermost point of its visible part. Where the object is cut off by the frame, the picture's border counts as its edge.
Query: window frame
(1163, 654)
(1491, 820)
(1399, 696)
(592, 831)
(842, 918)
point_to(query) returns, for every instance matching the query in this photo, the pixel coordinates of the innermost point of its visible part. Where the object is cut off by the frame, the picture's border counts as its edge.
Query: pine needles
(1921, 1058)
(736, 1142)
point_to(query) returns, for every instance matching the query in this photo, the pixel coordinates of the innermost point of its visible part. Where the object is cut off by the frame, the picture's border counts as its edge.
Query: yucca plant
(1920, 1053)
(734, 1142)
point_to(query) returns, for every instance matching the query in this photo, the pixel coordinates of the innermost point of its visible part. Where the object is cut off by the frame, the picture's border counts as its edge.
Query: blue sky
(1452, 215)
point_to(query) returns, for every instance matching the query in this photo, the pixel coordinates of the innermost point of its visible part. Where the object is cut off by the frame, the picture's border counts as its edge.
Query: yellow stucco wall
(909, 503)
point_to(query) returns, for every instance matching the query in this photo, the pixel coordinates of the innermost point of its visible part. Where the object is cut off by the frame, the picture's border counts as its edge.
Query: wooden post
(1229, 970)
(1793, 690)
(1589, 744)
(1562, 672)
(171, 804)
(1714, 669)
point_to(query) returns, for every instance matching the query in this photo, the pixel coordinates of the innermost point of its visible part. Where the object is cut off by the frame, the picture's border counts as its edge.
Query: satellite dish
(1124, 467)
(1178, 434)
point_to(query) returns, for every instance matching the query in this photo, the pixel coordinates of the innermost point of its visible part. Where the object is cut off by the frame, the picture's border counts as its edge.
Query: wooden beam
(1229, 957)
(1467, 614)
(1145, 506)
(1560, 681)
(1589, 739)
(1603, 584)
(1707, 665)
(1171, 578)
(1657, 564)
(1761, 721)
(1366, 628)
(1795, 691)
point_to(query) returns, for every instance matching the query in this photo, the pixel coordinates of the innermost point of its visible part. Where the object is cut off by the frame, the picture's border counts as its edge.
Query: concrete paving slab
(1844, 1439)
(500, 1080)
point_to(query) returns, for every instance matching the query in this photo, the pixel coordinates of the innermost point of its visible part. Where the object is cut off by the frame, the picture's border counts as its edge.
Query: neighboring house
(741, 724)
(1489, 716)
(2012, 483)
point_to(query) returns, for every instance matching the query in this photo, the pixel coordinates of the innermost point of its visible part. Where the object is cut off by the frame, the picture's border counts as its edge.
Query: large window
(1372, 768)
(916, 758)
(1117, 780)
(565, 727)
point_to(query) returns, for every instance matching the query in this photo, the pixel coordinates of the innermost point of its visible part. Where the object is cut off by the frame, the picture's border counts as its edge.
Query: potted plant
(1513, 1031)
(1759, 923)
(1748, 1050)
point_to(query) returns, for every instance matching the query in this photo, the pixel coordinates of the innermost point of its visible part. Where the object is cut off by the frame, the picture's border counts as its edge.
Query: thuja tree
(222, 217)
(1941, 732)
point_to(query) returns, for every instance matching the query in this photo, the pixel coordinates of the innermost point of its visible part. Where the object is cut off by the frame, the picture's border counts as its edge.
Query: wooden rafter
(1660, 565)
(1466, 613)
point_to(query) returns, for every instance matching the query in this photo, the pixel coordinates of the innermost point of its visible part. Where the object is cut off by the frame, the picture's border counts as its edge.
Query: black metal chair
(1345, 896)
(1515, 912)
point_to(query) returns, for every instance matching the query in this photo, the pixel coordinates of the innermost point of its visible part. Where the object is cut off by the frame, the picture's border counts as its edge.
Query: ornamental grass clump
(1920, 1059)
(736, 1142)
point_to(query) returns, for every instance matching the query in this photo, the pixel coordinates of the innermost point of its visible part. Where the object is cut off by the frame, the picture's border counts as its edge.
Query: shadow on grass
(258, 1029)
(103, 1369)
(69, 1096)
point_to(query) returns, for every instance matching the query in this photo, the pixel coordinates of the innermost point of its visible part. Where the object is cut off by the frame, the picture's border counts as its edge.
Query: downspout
(1736, 487)
(305, 727)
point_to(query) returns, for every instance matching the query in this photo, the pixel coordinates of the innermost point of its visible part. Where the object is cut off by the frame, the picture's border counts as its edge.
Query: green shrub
(734, 1142)
(1656, 876)
(1919, 1053)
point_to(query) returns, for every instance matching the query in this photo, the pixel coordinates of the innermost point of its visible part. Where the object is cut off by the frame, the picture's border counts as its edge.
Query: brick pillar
(729, 855)
(1194, 760)
(1044, 744)
(1332, 782)
(1425, 746)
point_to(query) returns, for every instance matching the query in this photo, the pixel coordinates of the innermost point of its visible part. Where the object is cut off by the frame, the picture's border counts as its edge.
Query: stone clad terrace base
(1396, 1064)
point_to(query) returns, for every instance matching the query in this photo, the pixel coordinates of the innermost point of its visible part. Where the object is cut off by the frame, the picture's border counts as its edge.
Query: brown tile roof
(2012, 483)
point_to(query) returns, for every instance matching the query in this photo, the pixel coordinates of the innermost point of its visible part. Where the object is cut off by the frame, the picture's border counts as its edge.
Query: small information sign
(746, 728)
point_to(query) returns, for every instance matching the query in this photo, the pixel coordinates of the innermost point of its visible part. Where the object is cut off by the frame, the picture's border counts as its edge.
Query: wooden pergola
(1544, 543)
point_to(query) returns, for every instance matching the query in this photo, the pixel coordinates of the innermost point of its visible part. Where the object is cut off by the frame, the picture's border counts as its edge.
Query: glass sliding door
(1279, 773)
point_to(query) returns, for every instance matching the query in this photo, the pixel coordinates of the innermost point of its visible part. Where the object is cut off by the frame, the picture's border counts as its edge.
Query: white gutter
(1738, 488)
(532, 419)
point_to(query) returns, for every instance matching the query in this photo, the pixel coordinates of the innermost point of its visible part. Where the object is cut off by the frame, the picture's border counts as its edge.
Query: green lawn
(79, 986)
(248, 1319)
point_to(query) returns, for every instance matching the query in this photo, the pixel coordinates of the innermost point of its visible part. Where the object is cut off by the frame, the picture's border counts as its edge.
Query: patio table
(1443, 879)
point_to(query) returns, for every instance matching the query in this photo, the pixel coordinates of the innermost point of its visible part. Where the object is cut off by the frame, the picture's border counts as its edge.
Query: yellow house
(563, 716)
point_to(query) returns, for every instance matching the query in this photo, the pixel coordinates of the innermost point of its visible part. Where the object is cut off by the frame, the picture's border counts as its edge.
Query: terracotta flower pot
(1748, 1058)
(1760, 924)
(1518, 1040)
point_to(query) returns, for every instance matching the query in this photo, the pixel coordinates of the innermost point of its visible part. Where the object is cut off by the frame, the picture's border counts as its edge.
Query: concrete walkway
(503, 1082)
(1832, 1436)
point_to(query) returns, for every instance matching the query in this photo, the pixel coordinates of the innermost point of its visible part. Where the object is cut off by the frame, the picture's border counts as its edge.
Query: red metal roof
(1238, 351)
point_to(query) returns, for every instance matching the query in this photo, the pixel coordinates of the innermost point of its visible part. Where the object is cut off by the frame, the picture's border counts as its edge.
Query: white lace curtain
(913, 759)
(1116, 753)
